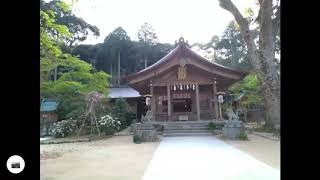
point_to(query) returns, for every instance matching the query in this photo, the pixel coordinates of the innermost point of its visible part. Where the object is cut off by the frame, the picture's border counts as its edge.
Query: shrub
(64, 128)
(243, 136)
(121, 113)
(212, 126)
(136, 139)
(108, 124)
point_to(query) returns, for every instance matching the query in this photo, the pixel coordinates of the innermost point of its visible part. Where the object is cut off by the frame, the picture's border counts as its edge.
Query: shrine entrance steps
(186, 128)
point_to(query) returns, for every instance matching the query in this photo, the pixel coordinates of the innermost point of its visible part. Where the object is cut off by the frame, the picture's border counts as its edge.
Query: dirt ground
(117, 158)
(265, 150)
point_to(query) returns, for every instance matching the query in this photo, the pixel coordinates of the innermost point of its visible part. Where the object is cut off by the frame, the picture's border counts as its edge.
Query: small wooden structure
(48, 110)
(48, 115)
(183, 85)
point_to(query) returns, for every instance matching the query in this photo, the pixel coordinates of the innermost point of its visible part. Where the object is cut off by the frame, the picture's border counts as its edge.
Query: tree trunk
(271, 92)
(118, 68)
(111, 72)
(263, 58)
(55, 74)
(145, 62)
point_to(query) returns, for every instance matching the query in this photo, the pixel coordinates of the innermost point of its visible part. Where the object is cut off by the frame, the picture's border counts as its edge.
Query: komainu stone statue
(147, 118)
(146, 130)
(231, 115)
(233, 127)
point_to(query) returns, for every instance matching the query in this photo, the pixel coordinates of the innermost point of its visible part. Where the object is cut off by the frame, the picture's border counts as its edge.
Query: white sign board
(183, 118)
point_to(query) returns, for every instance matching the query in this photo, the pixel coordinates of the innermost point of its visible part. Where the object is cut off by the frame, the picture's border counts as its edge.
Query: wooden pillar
(169, 102)
(210, 106)
(153, 104)
(197, 102)
(118, 68)
(216, 108)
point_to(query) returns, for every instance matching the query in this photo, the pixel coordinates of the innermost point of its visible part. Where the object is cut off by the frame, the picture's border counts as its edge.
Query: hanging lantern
(187, 86)
(174, 87)
(180, 86)
(148, 100)
(193, 87)
(220, 97)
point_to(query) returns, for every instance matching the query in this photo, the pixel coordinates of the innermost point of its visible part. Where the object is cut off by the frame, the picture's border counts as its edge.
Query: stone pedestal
(147, 132)
(134, 127)
(232, 129)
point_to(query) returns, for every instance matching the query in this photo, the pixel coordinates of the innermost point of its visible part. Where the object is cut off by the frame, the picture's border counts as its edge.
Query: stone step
(185, 128)
(189, 122)
(185, 122)
(187, 131)
(186, 134)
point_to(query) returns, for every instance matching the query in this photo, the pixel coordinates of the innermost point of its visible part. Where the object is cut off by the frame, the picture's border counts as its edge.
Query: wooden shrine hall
(183, 85)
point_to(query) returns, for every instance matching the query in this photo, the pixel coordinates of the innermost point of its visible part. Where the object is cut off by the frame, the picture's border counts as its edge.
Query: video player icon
(15, 164)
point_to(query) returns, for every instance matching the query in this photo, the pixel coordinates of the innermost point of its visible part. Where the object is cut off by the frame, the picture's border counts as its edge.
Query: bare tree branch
(266, 25)
(276, 22)
(244, 29)
(259, 13)
(229, 6)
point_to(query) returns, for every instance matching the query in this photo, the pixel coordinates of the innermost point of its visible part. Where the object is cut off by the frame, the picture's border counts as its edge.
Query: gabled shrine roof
(182, 49)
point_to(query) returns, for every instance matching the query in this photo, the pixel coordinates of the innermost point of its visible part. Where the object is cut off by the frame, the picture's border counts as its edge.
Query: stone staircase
(186, 128)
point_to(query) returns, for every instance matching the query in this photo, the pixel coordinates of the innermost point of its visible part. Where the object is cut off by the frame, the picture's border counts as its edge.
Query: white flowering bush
(64, 128)
(109, 124)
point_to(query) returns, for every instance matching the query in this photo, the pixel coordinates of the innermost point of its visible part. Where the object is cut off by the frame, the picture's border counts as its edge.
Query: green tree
(87, 53)
(231, 48)
(51, 34)
(112, 56)
(121, 113)
(75, 77)
(78, 28)
(148, 37)
(252, 87)
(105, 56)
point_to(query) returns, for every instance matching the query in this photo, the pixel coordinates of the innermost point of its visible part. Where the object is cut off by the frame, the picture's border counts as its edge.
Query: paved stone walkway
(205, 158)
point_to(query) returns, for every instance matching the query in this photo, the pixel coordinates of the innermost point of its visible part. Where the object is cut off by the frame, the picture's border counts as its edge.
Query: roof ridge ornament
(181, 41)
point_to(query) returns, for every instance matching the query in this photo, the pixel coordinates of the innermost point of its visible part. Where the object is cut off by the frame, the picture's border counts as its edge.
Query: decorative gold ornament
(182, 73)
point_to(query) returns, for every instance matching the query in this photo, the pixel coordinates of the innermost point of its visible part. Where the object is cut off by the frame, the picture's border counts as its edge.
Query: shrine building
(183, 85)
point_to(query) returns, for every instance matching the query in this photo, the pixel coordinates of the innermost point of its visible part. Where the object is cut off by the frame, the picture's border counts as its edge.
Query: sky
(195, 20)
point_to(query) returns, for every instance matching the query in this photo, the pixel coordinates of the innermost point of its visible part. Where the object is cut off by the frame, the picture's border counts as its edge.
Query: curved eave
(182, 48)
(170, 55)
(215, 65)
